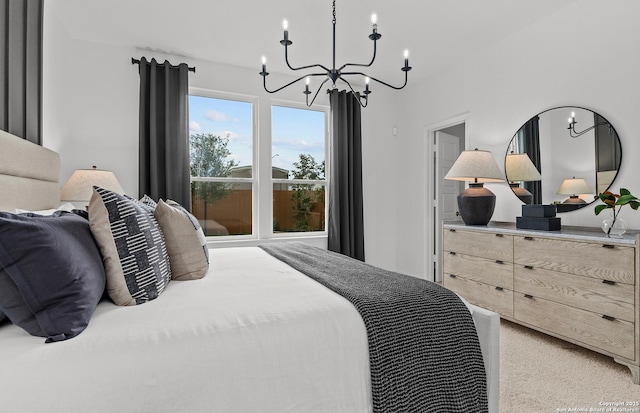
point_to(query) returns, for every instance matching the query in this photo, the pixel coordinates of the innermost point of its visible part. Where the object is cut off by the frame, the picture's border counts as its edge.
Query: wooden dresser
(575, 284)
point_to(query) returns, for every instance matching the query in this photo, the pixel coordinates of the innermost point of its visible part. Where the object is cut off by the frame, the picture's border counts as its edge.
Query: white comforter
(253, 336)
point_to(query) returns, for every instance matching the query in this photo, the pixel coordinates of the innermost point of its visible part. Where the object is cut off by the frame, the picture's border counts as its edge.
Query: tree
(209, 157)
(305, 197)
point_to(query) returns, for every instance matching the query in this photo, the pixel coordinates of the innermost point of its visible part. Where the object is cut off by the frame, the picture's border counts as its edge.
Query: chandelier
(335, 74)
(575, 134)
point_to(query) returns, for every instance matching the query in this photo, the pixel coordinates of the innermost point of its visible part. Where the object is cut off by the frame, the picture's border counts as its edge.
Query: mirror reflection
(564, 156)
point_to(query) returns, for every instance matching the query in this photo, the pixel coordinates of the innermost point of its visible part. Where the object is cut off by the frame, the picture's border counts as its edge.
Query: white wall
(584, 55)
(91, 118)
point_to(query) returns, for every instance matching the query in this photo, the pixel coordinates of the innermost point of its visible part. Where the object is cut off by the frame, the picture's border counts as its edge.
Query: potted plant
(616, 225)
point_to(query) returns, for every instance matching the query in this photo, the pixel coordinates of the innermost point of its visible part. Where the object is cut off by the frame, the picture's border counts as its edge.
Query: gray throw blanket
(424, 352)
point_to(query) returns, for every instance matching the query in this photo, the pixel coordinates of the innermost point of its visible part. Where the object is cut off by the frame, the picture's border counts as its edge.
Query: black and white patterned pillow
(132, 247)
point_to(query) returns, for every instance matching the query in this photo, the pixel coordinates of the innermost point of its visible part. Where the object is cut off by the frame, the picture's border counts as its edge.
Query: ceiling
(438, 33)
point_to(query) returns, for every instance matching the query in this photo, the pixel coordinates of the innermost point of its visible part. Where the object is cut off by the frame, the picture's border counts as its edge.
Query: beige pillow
(186, 243)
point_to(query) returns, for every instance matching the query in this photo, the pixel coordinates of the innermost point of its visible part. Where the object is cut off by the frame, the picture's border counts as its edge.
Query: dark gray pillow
(51, 273)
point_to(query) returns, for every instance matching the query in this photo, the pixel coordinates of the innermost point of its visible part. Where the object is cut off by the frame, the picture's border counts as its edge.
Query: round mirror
(564, 156)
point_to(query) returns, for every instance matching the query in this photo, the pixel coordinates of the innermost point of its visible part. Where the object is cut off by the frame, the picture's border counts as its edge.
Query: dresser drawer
(613, 299)
(479, 244)
(601, 261)
(494, 272)
(487, 296)
(615, 337)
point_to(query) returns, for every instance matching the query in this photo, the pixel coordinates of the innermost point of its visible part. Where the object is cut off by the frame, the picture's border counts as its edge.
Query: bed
(252, 335)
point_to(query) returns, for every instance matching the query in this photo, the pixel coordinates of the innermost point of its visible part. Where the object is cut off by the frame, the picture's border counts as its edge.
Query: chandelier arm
(356, 94)
(286, 59)
(264, 78)
(317, 92)
(373, 58)
(575, 134)
(406, 78)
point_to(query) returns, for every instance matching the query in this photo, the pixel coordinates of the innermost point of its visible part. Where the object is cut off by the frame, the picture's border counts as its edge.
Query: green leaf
(625, 199)
(600, 208)
(624, 191)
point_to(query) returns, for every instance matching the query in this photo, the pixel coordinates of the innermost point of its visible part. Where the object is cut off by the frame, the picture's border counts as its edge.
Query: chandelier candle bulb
(285, 26)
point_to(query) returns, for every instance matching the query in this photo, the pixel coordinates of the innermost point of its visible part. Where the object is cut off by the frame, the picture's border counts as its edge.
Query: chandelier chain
(334, 12)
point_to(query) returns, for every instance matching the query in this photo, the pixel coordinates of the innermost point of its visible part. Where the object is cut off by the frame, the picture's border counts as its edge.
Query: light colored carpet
(541, 374)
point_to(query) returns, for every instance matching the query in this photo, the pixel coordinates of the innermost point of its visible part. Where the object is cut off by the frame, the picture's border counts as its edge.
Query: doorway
(445, 141)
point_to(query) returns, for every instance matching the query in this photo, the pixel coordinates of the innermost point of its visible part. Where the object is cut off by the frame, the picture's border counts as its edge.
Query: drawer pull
(452, 275)
(452, 253)
(528, 267)
(609, 318)
(452, 230)
(608, 246)
(499, 288)
(499, 235)
(529, 296)
(528, 238)
(608, 282)
(499, 262)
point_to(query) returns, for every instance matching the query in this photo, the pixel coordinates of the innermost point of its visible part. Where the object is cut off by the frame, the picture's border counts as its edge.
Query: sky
(294, 131)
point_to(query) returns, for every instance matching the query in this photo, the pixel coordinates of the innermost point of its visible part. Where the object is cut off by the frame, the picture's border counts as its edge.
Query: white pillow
(64, 207)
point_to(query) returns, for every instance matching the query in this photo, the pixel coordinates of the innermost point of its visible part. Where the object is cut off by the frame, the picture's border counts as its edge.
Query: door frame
(430, 152)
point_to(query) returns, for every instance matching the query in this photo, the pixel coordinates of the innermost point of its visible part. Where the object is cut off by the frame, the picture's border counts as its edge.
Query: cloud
(194, 126)
(299, 144)
(216, 116)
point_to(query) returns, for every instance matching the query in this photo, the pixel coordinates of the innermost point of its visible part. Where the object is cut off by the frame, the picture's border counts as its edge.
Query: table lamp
(476, 203)
(79, 187)
(573, 187)
(519, 168)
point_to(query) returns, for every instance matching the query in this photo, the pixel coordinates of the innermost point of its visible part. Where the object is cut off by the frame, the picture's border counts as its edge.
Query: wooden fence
(231, 215)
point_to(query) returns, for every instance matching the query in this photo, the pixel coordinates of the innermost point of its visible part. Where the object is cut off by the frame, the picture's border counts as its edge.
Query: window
(253, 183)
(298, 150)
(221, 162)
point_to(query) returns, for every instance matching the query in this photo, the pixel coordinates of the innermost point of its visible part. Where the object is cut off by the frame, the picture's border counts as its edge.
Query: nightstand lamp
(519, 168)
(476, 203)
(79, 187)
(573, 187)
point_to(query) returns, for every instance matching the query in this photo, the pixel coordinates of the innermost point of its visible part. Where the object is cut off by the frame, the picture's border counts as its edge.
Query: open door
(447, 149)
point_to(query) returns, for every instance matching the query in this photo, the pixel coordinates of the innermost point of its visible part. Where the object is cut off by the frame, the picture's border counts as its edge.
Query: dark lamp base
(574, 199)
(522, 194)
(476, 204)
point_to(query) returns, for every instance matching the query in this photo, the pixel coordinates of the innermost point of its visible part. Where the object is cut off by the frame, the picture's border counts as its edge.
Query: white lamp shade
(518, 167)
(476, 166)
(574, 186)
(79, 187)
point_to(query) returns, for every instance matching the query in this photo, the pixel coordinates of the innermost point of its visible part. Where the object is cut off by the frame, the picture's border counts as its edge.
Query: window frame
(254, 101)
(262, 181)
(327, 168)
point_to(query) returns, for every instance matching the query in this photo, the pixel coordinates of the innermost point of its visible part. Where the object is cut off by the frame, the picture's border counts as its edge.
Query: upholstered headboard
(29, 175)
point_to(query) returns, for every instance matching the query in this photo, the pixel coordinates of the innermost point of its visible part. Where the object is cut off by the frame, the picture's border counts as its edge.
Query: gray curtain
(531, 146)
(346, 222)
(164, 131)
(21, 68)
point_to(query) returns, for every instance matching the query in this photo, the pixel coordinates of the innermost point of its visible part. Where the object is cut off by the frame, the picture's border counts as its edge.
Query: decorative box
(539, 223)
(537, 210)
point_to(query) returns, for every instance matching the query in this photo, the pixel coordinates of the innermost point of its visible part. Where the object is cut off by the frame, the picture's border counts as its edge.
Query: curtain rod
(135, 61)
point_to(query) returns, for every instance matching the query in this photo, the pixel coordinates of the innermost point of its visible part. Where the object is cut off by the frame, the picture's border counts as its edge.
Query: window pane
(222, 208)
(298, 207)
(298, 142)
(220, 135)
